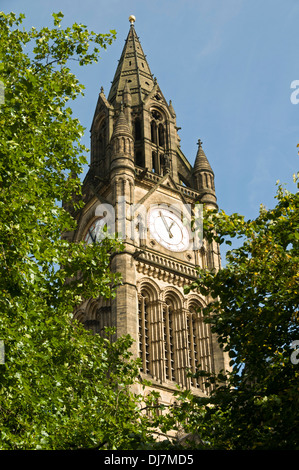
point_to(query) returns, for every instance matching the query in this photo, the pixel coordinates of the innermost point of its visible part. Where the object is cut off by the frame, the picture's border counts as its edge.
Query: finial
(199, 143)
(102, 89)
(132, 19)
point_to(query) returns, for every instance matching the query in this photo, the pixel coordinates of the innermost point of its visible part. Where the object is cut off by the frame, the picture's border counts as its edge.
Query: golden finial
(132, 19)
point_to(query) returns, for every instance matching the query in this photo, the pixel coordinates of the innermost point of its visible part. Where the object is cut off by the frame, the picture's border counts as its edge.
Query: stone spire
(201, 161)
(203, 177)
(133, 69)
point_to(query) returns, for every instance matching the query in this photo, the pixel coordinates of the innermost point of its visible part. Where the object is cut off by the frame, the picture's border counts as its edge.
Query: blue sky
(227, 66)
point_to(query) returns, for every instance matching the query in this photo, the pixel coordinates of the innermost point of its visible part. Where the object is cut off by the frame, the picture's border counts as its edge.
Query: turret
(203, 177)
(124, 307)
(122, 145)
(122, 173)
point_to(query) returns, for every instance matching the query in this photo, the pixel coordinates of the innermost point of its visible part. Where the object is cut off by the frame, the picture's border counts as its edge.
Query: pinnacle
(121, 126)
(201, 161)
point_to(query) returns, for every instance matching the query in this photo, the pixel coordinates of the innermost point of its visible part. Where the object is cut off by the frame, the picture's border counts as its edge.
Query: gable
(102, 109)
(166, 187)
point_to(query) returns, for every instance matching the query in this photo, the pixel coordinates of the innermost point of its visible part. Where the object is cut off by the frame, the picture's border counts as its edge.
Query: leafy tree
(60, 387)
(254, 313)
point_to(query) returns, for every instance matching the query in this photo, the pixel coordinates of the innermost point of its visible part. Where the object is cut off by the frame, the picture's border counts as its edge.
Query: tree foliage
(60, 386)
(254, 313)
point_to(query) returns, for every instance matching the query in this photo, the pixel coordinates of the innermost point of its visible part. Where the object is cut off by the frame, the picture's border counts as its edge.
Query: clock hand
(172, 223)
(166, 226)
(93, 238)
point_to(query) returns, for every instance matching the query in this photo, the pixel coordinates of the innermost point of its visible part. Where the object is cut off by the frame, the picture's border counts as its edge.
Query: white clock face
(168, 229)
(95, 231)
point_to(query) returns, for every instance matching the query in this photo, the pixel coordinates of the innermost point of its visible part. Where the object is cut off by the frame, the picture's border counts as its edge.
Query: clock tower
(140, 178)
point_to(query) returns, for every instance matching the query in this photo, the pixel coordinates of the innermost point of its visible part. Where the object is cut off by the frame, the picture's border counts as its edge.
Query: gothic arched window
(153, 132)
(168, 334)
(137, 130)
(95, 315)
(158, 139)
(199, 344)
(155, 162)
(149, 350)
(101, 140)
(161, 138)
(193, 344)
(144, 332)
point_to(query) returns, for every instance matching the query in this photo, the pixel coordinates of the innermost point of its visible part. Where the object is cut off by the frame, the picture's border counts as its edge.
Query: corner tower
(137, 167)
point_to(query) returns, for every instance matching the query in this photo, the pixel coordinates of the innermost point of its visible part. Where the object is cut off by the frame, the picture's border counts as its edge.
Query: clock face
(168, 229)
(95, 231)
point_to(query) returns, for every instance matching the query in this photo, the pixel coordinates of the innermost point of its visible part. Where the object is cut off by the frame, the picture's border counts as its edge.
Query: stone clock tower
(138, 169)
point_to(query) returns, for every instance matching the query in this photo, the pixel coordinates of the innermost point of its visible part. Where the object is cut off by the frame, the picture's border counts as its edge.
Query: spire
(134, 69)
(127, 94)
(201, 161)
(172, 111)
(203, 176)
